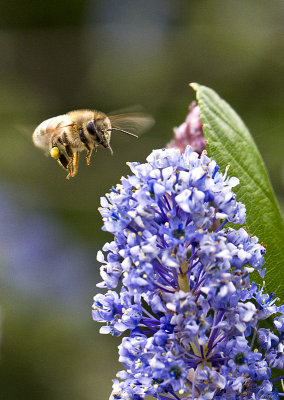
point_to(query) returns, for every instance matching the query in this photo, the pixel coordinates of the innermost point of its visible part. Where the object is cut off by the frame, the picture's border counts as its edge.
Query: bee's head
(100, 129)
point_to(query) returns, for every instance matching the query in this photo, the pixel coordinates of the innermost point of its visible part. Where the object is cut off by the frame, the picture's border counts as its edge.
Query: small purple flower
(118, 312)
(279, 323)
(275, 356)
(266, 338)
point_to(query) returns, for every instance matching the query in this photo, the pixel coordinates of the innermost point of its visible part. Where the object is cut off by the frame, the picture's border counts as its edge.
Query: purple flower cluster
(183, 286)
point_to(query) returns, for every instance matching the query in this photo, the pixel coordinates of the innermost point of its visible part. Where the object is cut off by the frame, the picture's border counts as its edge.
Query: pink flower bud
(189, 132)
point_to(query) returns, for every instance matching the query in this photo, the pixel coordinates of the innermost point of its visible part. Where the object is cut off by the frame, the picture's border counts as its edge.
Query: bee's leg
(89, 150)
(75, 163)
(57, 154)
(69, 169)
(88, 156)
(61, 159)
(64, 162)
(70, 154)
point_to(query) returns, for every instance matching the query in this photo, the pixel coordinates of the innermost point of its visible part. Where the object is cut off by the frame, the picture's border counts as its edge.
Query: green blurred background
(56, 56)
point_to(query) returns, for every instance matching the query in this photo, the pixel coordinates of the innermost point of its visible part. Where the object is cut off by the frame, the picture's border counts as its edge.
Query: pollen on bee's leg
(55, 153)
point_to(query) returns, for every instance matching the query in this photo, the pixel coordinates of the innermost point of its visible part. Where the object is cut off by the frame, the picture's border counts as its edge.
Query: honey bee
(63, 137)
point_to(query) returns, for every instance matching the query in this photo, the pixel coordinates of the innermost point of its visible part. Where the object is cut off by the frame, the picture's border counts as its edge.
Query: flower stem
(183, 277)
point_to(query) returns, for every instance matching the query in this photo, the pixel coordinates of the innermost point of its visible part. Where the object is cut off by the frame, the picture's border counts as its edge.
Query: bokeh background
(56, 56)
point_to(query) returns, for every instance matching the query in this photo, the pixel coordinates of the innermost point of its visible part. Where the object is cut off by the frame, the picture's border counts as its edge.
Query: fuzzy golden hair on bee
(65, 136)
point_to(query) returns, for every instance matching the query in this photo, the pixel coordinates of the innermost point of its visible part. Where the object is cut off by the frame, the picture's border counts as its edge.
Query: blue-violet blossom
(183, 286)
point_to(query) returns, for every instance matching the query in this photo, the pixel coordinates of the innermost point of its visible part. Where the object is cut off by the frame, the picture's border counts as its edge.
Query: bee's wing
(135, 123)
(24, 130)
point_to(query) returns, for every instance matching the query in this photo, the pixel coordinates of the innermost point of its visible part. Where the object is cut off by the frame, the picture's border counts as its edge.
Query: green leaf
(230, 143)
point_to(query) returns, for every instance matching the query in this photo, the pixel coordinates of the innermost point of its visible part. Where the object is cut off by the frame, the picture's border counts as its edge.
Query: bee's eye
(91, 128)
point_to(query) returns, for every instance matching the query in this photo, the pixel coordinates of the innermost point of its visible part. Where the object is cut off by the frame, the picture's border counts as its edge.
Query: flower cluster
(183, 286)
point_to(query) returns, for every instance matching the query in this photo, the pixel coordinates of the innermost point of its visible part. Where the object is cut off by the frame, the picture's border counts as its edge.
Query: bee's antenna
(110, 148)
(122, 130)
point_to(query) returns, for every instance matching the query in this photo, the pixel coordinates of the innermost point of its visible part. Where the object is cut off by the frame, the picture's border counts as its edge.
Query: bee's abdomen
(49, 127)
